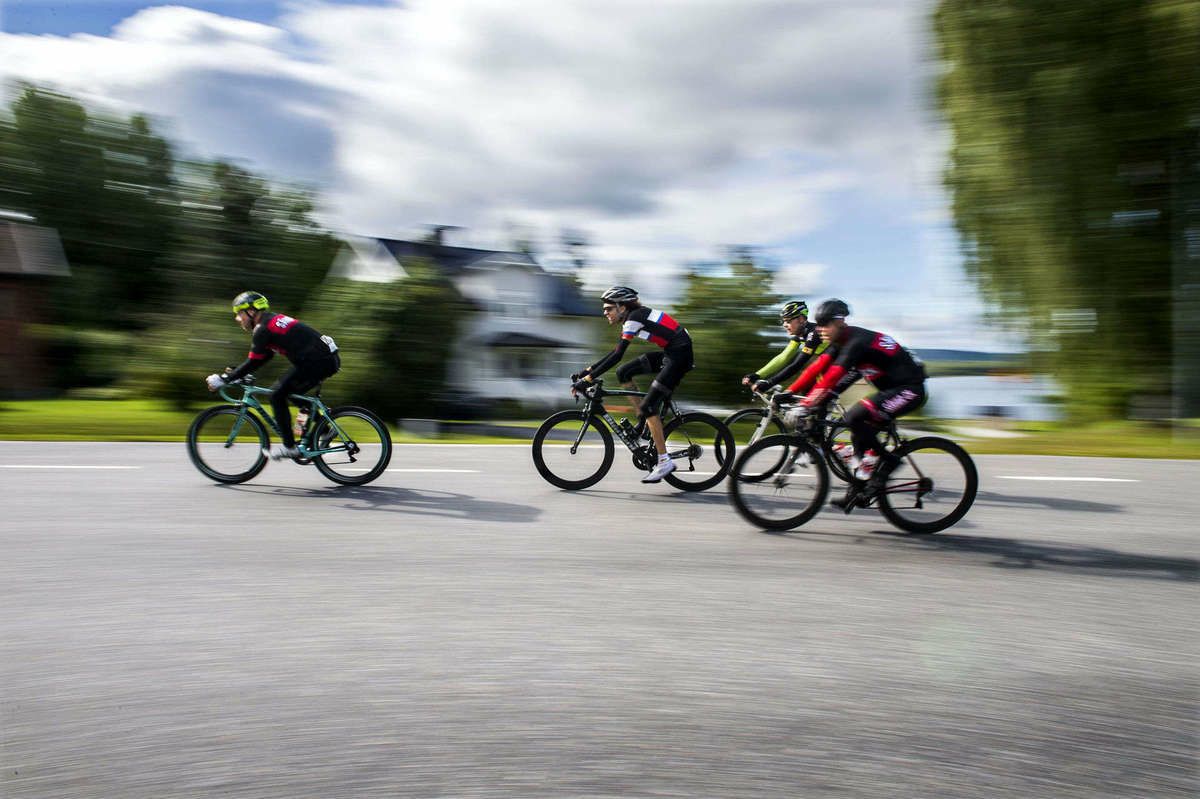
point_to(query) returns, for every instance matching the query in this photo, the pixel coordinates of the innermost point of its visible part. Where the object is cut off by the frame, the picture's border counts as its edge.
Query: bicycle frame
(594, 408)
(249, 402)
(816, 432)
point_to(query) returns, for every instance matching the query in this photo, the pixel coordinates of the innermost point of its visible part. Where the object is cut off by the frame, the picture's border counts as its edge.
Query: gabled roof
(454, 261)
(562, 296)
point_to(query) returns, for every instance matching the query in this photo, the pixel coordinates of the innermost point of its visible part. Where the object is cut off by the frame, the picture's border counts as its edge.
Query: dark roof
(565, 298)
(451, 260)
(513, 339)
(31, 250)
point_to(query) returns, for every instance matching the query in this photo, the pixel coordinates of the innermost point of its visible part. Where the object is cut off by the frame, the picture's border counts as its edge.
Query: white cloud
(664, 130)
(800, 281)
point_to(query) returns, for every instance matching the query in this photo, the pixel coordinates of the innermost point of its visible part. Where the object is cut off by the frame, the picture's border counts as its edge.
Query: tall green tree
(104, 184)
(727, 312)
(1074, 130)
(396, 338)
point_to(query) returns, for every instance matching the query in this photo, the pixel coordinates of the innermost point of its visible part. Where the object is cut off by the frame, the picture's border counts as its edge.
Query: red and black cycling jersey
(291, 338)
(875, 356)
(657, 327)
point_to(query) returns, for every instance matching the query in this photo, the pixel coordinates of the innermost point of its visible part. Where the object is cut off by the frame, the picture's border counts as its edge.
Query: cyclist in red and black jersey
(897, 374)
(671, 362)
(314, 357)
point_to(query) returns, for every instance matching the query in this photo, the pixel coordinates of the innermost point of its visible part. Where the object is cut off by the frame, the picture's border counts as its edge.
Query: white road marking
(1067, 479)
(58, 466)
(454, 471)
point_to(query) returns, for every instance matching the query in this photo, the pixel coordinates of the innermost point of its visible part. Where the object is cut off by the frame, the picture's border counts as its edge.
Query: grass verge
(151, 420)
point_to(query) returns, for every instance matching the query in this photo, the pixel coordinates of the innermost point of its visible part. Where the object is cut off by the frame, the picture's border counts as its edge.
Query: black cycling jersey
(291, 338)
(645, 323)
(877, 357)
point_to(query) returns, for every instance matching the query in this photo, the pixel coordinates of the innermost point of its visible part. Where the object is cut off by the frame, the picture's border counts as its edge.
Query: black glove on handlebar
(762, 386)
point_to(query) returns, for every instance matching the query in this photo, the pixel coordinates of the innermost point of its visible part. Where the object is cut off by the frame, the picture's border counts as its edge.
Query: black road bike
(574, 449)
(767, 417)
(921, 485)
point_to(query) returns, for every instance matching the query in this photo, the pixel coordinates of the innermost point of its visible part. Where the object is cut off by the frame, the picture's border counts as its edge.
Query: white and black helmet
(622, 295)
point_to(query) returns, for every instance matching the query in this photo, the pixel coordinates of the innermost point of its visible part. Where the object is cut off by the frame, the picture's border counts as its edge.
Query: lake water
(1009, 397)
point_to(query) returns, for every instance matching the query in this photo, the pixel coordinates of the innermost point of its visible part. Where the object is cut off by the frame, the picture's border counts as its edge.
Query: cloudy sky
(666, 131)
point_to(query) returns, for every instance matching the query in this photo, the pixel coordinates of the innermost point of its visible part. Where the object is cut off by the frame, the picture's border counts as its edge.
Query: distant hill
(964, 355)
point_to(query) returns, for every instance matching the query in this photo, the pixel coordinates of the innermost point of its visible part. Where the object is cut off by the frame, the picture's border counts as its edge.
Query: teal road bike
(227, 443)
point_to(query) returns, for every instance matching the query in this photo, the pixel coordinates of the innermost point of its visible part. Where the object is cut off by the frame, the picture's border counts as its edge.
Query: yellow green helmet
(250, 299)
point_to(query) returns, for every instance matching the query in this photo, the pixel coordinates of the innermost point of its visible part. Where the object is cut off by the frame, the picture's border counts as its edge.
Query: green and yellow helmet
(792, 309)
(250, 299)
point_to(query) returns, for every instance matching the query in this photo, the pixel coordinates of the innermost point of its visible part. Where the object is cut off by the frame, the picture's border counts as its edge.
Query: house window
(524, 364)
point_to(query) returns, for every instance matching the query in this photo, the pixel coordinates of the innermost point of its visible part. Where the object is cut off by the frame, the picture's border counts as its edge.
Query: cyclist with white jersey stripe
(671, 362)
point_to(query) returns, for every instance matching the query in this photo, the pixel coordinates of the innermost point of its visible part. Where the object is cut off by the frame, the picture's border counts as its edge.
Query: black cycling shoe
(847, 503)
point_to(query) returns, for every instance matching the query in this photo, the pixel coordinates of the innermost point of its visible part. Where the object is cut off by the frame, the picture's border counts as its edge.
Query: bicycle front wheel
(930, 487)
(226, 444)
(359, 443)
(702, 448)
(563, 463)
(837, 440)
(779, 482)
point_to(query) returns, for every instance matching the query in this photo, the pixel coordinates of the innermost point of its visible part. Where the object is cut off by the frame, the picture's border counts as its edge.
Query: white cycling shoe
(279, 452)
(661, 470)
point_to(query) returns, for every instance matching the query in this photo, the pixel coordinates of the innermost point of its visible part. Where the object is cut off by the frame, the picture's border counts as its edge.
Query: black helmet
(619, 295)
(791, 310)
(830, 310)
(250, 299)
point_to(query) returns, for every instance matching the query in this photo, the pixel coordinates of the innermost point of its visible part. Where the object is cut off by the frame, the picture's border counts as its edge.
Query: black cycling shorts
(885, 406)
(671, 365)
(303, 376)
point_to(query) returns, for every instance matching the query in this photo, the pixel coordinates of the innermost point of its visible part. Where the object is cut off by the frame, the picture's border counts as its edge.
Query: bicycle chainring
(645, 458)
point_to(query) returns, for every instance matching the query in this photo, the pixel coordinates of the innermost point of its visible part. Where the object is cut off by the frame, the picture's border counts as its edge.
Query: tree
(727, 314)
(396, 338)
(105, 185)
(1074, 129)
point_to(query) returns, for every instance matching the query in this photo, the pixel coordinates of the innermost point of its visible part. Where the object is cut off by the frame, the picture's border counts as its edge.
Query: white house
(527, 332)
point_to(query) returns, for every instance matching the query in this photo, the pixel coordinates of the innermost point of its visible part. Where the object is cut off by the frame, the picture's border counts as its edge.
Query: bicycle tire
(753, 415)
(547, 468)
(894, 479)
(348, 471)
(762, 500)
(698, 445)
(257, 444)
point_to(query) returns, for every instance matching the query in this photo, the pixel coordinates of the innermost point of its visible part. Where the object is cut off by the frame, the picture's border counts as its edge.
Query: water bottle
(301, 421)
(627, 428)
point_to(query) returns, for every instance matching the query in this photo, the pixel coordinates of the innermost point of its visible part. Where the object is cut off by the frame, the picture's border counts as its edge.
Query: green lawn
(123, 420)
(150, 420)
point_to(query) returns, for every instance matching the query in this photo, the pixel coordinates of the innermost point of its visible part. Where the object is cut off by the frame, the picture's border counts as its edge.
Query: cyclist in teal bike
(314, 358)
(803, 343)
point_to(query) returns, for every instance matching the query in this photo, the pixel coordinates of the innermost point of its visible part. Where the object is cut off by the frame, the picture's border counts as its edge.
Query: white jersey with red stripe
(657, 327)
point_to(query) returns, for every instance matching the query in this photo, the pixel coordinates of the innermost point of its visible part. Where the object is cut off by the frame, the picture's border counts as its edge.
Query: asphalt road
(465, 630)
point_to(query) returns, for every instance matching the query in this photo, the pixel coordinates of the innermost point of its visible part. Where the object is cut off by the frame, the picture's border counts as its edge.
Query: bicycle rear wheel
(930, 487)
(744, 425)
(578, 469)
(779, 482)
(361, 444)
(694, 441)
(226, 444)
